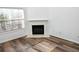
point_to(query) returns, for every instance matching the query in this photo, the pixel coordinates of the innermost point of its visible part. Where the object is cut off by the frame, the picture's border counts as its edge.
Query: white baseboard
(66, 39)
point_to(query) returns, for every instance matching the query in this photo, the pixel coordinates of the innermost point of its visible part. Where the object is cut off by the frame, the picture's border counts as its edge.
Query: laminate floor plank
(33, 41)
(7, 47)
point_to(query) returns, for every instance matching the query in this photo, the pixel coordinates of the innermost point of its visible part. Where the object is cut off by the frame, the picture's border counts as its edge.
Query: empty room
(39, 29)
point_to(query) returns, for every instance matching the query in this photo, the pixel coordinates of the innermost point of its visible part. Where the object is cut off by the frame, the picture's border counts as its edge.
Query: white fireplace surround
(37, 22)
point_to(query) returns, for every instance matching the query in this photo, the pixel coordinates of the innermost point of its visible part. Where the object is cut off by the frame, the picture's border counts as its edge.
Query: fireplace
(37, 29)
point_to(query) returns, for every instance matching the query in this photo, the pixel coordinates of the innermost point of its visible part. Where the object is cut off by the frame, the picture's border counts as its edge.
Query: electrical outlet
(77, 36)
(60, 32)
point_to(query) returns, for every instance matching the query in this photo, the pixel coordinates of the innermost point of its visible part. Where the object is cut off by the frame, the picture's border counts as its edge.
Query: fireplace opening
(37, 29)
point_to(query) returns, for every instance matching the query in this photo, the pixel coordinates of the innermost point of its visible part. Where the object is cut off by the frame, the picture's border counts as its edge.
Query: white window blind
(11, 19)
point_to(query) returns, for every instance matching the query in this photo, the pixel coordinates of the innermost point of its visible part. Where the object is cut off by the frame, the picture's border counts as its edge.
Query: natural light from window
(11, 19)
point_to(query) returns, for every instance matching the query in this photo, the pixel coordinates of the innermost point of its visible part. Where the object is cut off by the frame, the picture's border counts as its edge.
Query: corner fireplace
(38, 29)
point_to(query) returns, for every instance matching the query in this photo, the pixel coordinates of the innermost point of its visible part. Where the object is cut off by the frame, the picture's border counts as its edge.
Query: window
(11, 19)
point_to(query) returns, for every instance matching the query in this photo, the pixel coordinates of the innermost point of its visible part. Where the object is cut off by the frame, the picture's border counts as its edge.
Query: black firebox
(37, 29)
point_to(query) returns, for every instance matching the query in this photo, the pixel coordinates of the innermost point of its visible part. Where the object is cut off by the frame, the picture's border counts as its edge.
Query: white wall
(64, 23)
(37, 13)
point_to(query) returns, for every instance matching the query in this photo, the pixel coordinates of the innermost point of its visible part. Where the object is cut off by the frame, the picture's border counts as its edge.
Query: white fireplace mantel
(38, 22)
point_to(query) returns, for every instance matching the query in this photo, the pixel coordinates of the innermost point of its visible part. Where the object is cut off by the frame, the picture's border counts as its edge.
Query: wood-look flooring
(51, 44)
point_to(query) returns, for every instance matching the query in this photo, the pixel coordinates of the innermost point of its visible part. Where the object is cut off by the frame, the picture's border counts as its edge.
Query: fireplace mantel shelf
(31, 20)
